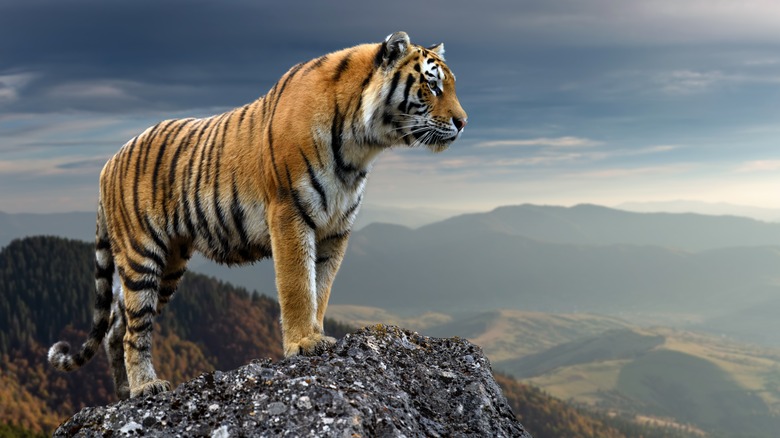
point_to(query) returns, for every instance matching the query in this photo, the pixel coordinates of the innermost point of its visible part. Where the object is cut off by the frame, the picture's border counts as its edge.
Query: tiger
(282, 177)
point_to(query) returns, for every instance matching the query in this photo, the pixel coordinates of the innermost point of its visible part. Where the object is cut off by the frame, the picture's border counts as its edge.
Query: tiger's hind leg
(174, 270)
(115, 348)
(141, 281)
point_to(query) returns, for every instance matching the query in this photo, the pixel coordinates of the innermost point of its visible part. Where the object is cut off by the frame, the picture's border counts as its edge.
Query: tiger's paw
(123, 392)
(153, 387)
(311, 345)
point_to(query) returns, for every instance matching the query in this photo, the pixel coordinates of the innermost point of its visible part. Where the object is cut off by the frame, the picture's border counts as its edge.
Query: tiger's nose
(459, 123)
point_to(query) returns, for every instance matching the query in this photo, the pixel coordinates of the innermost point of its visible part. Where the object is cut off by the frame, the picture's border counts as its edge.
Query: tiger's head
(420, 104)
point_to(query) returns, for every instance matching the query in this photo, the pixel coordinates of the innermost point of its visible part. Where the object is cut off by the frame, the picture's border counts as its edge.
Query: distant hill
(462, 269)
(708, 208)
(595, 225)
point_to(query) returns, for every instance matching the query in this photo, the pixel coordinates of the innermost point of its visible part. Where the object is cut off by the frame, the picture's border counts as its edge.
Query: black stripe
(144, 327)
(104, 273)
(160, 155)
(237, 213)
(317, 63)
(181, 145)
(299, 204)
(185, 251)
(356, 115)
(241, 117)
(379, 56)
(321, 260)
(141, 269)
(289, 76)
(393, 85)
(222, 231)
(148, 149)
(142, 312)
(342, 66)
(354, 207)
(128, 154)
(97, 332)
(103, 300)
(205, 151)
(407, 88)
(147, 254)
(140, 285)
(135, 347)
(157, 237)
(174, 276)
(202, 220)
(186, 177)
(166, 292)
(337, 236)
(336, 129)
(315, 182)
(103, 243)
(187, 213)
(136, 183)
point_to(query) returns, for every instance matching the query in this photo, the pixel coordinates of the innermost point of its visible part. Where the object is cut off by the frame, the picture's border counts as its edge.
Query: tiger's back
(282, 176)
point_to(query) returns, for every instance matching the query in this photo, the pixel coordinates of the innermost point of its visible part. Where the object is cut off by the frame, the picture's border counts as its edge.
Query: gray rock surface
(380, 381)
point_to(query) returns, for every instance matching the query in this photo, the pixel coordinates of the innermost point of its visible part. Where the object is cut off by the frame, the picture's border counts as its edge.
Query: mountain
(708, 208)
(594, 225)
(460, 270)
(46, 290)
(405, 216)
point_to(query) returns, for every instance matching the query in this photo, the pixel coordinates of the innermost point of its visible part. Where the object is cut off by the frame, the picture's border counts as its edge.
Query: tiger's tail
(59, 355)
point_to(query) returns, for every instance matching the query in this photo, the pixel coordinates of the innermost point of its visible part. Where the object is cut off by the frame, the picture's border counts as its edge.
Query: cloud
(630, 172)
(557, 142)
(759, 166)
(12, 84)
(90, 90)
(52, 166)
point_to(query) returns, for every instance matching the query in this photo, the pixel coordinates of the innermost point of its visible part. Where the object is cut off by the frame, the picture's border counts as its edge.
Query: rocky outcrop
(380, 381)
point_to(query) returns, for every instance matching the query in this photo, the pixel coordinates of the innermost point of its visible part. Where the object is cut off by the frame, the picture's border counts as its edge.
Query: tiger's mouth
(435, 140)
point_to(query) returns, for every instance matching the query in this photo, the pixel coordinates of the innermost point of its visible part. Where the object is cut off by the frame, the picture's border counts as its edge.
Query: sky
(574, 101)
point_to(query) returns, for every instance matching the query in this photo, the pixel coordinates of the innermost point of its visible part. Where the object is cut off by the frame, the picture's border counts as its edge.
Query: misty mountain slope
(485, 270)
(591, 224)
(758, 323)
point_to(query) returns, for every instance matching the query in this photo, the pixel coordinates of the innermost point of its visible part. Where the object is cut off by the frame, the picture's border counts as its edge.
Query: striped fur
(282, 176)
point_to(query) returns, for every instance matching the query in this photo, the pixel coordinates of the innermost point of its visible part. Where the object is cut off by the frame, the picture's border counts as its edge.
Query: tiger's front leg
(330, 253)
(294, 253)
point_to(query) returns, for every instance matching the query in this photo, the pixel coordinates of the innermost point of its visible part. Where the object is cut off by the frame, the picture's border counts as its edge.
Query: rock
(380, 381)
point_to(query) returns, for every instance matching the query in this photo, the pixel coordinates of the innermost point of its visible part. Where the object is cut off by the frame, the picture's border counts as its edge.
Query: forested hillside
(46, 290)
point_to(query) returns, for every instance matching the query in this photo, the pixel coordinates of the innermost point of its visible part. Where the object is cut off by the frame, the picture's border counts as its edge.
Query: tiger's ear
(394, 48)
(438, 49)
